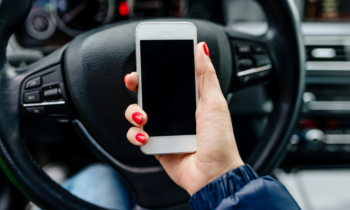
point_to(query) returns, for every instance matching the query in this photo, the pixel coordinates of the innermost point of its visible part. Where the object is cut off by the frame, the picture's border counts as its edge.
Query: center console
(323, 133)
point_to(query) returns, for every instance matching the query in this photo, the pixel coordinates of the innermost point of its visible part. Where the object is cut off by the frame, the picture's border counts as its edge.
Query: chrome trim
(111, 158)
(329, 105)
(327, 66)
(45, 104)
(323, 53)
(337, 139)
(40, 35)
(325, 29)
(327, 40)
(255, 70)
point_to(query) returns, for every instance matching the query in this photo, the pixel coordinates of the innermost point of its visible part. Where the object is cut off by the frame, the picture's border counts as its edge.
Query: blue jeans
(99, 184)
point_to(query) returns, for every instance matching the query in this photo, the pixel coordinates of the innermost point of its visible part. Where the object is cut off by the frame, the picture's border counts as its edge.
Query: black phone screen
(168, 87)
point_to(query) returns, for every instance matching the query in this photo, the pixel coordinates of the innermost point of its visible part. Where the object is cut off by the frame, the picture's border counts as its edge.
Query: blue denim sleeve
(243, 189)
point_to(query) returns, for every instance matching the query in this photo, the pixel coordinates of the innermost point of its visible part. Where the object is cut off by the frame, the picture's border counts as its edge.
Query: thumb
(208, 83)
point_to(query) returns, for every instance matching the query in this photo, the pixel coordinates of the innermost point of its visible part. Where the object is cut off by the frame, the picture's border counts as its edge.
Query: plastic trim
(329, 105)
(327, 66)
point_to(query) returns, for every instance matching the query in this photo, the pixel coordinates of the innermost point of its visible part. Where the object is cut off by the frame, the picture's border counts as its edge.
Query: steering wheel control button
(51, 94)
(245, 63)
(261, 60)
(33, 83)
(243, 49)
(32, 97)
(258, 50)
(244, 80)
(36, 110)
(261, 75)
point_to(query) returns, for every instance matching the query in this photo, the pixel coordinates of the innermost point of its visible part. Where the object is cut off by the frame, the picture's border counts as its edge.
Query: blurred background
(316, 168)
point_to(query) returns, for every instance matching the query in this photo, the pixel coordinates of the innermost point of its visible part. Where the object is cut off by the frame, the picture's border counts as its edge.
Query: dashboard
(53, 23)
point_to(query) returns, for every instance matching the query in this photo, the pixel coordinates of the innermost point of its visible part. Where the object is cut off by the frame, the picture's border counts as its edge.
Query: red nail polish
(206, 49)
(125, 77)
(140, 137)
(137, 117)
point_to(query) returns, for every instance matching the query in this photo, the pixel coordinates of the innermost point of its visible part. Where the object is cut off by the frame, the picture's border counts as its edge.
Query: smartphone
(167, 89)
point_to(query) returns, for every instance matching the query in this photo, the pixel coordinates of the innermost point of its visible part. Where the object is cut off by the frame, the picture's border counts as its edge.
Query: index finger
(132, 81)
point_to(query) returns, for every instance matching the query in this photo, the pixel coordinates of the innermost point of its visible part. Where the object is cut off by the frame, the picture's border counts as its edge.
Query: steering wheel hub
(95, 66)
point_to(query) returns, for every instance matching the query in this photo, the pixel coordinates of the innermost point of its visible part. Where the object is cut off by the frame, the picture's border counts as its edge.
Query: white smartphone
(167, 89)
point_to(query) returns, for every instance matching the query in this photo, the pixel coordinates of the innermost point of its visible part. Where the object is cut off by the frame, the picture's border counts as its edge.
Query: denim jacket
(243, 189)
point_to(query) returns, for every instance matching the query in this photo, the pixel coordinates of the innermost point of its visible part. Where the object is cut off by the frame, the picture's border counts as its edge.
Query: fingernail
(125, 77)
(206, 49)
(140, 137)
(137, 117)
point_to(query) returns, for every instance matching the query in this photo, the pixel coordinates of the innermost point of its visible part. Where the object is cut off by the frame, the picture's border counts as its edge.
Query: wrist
(193, 188)
(233, 165)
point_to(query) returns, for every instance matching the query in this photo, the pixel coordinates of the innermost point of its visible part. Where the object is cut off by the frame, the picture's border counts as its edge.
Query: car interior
(283, 66)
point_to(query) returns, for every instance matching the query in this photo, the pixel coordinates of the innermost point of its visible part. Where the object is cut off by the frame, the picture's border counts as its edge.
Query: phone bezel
(166, 31)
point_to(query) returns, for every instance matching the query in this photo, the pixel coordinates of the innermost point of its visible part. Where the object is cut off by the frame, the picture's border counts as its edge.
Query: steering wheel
(83, 81)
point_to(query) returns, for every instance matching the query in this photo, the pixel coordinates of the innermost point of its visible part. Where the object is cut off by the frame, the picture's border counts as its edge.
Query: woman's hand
(217, 151)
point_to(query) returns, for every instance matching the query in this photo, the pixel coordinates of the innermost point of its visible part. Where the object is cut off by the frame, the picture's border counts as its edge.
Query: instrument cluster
(53, 23)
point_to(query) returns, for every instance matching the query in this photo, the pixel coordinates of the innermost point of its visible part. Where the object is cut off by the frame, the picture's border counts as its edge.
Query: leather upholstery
(95, 65)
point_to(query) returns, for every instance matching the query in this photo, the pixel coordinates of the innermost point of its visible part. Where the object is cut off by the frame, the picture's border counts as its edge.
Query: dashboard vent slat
(339, 55)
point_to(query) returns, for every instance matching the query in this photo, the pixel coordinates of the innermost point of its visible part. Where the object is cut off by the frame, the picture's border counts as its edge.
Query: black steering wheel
(83, 81)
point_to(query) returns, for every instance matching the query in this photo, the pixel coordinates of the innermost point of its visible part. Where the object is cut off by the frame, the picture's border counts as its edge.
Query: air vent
(326, 53)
